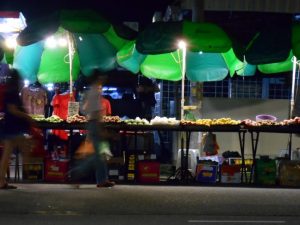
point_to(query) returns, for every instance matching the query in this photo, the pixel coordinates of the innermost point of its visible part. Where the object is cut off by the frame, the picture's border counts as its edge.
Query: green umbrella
(6, 53)
(156, 53)
(92, 44)
(2, 57)
(168, 66)
(272, 48)
(163, 37)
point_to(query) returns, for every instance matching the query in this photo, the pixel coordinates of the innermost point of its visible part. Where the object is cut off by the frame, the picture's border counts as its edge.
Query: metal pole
(293, 87)
(183, 68)
(292, 103)
(71, 52)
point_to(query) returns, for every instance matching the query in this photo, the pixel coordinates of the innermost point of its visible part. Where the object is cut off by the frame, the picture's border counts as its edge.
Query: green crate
(265, 171)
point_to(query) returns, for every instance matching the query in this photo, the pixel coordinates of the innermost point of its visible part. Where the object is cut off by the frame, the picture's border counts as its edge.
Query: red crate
(148, 172)
(231, 173)
(56, 170)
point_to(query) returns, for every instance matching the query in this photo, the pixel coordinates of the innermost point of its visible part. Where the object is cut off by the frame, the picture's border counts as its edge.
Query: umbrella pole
(292, 103)
(182, 99)
(71, 52)
(183, 68)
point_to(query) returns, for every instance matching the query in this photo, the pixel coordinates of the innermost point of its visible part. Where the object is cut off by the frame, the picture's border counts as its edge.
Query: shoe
(7, 186)
(106, 184)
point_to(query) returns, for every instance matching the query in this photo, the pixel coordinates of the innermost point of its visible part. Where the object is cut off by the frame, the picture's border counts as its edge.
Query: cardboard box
(206, 173)
(148, 171)
(138, 142)
(289, 173)
(231, 174)
(116, 169)
(56, 171)
(33, 171)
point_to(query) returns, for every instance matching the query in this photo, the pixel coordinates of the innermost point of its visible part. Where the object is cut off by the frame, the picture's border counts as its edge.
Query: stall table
(256, 130)
(186, 131)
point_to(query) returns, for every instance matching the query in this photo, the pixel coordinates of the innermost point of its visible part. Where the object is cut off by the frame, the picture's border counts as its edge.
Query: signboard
(73, 108)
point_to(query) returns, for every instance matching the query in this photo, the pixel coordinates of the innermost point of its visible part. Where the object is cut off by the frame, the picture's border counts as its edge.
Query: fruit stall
(130, 167)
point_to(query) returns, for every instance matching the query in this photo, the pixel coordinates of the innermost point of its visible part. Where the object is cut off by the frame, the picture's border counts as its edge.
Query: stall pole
(71, 54)
(292, 103)
(182, 45)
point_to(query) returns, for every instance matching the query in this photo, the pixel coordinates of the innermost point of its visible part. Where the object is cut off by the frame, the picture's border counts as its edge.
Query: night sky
(241, 25)
(114, 10)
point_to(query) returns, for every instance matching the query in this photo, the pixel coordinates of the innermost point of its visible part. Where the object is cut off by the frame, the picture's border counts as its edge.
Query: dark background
(114, 10)
(142, 11)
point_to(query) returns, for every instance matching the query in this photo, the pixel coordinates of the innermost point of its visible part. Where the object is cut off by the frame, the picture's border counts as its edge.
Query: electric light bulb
(181, 44)
(11, 43)
(51, 42)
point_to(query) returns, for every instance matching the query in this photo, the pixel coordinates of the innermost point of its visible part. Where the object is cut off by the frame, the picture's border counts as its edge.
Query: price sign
(73, 108)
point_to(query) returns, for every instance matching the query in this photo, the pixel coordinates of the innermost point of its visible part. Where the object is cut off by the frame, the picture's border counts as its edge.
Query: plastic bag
(211, 146)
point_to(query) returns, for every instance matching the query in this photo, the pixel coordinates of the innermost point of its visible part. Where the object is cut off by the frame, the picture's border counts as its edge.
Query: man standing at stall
(146, 90)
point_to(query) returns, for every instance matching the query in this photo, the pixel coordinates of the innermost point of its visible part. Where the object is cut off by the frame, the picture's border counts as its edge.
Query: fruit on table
(54, 119)
(137, 121)
(111, 119)
(76, 119)
(210, 122)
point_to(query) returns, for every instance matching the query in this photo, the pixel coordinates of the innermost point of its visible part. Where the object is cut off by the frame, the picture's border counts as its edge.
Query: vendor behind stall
(145, 91)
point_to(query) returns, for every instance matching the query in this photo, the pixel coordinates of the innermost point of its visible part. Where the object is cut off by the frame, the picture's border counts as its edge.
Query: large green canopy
(270, 45)
(156, 53)
(163, 37)
(168, 66)
(6, 53)
(95, 41)
(272, 48)
(1, 48)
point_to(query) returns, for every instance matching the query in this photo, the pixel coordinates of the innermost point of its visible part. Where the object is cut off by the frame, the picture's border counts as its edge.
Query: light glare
(181, 44)
(50, 86)
(11, 43)
(51, 42)
(62, 42)
(26, 83)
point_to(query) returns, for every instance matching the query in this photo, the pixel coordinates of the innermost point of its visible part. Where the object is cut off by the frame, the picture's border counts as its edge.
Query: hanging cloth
(211, 146)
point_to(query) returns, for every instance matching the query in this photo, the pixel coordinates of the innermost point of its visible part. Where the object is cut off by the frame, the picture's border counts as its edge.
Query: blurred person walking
(91, 107)
(16, 123)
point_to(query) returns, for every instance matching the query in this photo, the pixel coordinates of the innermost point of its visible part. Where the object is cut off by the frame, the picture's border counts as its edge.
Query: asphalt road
(136, 204)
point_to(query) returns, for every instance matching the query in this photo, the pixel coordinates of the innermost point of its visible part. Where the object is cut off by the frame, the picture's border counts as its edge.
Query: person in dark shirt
(16, 123)
(146, 94)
